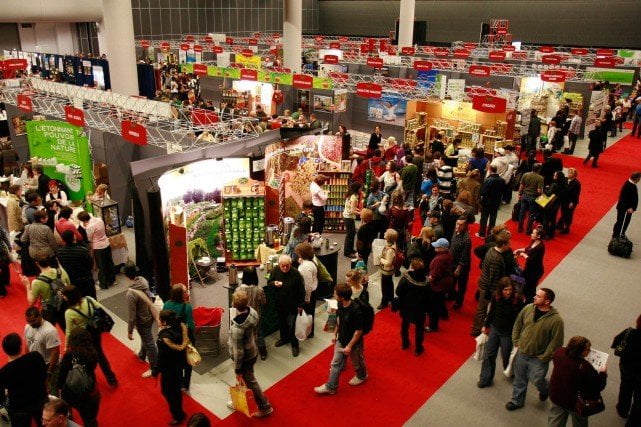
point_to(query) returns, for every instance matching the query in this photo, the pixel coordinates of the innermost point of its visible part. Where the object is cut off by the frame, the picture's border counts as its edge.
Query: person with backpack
(413, 298)
(388, 268)
(348, 340)
(178, 302)
(76, 260)
(47, 288)
(309, 271)
(77, 377)
(80, 314)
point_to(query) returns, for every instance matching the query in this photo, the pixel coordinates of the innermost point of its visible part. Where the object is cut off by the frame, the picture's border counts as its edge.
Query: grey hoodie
(242, 340)
(139, 313)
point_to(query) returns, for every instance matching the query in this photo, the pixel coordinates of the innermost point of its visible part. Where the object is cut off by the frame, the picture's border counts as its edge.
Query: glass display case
(108, 211)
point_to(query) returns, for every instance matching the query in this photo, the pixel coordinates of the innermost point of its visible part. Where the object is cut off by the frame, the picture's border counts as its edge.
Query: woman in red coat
(571, 374)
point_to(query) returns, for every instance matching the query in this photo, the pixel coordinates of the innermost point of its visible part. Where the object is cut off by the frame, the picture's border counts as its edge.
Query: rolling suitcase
(620, 246)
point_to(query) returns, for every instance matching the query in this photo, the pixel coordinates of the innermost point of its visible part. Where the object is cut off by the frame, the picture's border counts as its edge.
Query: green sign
(323, 83)
(63, 150)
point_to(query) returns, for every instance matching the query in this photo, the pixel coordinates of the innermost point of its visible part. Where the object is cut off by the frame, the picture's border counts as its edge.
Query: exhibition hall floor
(596, 296)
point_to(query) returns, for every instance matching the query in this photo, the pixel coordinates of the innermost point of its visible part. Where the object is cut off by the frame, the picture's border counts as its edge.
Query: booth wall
(9, 37)
(581, 22)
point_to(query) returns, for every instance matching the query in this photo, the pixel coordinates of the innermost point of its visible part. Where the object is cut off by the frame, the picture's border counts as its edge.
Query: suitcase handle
(625, 218)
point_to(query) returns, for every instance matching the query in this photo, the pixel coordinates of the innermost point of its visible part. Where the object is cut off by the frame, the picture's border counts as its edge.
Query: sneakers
(146, 374)
(479, 236)
(357, 381)
(511, 406)
(264, 412)
(324, 390)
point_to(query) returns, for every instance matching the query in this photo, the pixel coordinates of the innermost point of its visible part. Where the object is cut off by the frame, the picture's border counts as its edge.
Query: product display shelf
(336, 188)
(236, 99)
(244, 225)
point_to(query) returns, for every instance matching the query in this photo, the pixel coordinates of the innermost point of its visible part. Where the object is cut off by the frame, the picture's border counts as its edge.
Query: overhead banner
(63, 150)
(489, 104)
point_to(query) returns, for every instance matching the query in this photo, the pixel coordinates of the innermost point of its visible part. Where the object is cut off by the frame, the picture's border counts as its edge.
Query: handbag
(192, 355)
(543, 200)
(586, 407)
(242, 399)
(619, 350)
(303, 326)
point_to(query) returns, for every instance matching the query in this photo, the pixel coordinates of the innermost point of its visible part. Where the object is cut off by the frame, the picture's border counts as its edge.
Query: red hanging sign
(501, 31)
(144, 44)
(489, 104)
(217, 49)
(462, 53)
(24, 103)
(276, 36)
(133, 132)
(605, 52)
(605, 62)
(198, 48)
(470, 45)
(375, 62)
(509, 48)
(229, 40)
(200, 69)
(422, 65)
(189, 38)
(479, 70)
(208, 39)
(440, 51)
(74, 116)
(553, 76)
(383, 44)
(247, 52)
(496, 55)
(551, 59)
(252, 42)
(184, 46)
(302, 81)
(334, 45)
(391, 50)
(546, 49)
(319, 38)
(165, 46)
(579, 51)
(14, 64)
(330, 59)
(369, 90)
(248, 74)
(408, 50)
(364, 48)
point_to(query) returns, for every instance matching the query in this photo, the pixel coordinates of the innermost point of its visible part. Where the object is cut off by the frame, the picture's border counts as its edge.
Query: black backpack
(78, 383)
(368, 314)
(55, 286)
(98, 320)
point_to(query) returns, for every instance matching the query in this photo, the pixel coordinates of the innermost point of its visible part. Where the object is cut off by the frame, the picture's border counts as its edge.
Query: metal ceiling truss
(167, 127)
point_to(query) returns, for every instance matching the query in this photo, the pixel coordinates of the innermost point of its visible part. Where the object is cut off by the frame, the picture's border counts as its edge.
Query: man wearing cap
(141, 314)
(440, 280)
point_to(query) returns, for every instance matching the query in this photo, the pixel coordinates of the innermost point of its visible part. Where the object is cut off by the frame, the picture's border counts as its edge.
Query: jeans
(350, 234)
(170, 383)
(529, 206)
(419, 333)
(460, 285)
(495, 341)
(528, 368)
(319, 219)
(286, 322)
(148, 348)
(558, 417)
(623, 221)
(105, 264)
(488, 212)
(630, 395)
(247, 371)
(186, 382)
(338, 363)
(573, 138)
(387, 288)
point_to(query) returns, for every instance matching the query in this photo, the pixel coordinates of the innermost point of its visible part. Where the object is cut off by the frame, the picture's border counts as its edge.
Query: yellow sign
(457, 110)
(248, 61)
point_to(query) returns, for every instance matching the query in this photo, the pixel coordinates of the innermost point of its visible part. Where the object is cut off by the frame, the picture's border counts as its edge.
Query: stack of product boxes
(244, 225)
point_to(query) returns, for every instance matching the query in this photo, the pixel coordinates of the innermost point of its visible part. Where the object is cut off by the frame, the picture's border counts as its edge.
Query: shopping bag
(481, 345)
(242, 399)
(543, 200)
(509, 371)
(303, 325)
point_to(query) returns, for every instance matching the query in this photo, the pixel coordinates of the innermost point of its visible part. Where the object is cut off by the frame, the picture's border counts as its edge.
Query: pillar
(406, 23)
(293, 35)
(118, 26)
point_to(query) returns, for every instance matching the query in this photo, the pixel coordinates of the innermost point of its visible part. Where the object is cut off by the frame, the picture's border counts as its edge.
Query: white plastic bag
(509, 371)
(566, 142)
(303, 326)
(377, 250)
(481, 345)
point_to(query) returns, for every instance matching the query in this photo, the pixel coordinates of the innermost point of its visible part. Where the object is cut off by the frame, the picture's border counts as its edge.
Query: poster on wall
(595, 111)
(63, 150)
(294, 165)
(340, 101)
(455, 89)
(323, 103)
(19, 125)
(192, 198)
(387, 109)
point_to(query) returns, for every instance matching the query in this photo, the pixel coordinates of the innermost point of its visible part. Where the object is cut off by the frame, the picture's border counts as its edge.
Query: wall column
(406, 23)
(118, 28)
(293, 35)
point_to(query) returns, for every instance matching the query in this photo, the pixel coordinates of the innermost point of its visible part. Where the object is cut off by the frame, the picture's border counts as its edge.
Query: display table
(329, 258)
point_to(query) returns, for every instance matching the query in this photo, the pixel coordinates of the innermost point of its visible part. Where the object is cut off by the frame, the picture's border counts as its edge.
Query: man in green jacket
(537, 333)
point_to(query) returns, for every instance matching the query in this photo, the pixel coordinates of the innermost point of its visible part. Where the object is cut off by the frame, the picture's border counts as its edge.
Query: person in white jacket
(307, 268)
(504, 167)
(513, 161)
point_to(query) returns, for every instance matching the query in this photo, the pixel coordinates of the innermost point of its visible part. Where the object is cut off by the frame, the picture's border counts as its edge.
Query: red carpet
(399, 382)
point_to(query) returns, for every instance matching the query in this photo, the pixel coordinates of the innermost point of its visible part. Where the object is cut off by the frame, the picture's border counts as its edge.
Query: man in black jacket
(290, 299)
(77, 262)
(567, 208)
(491, 195)
(627, 204)
(43, 180)
(549, 166)
(461, 249)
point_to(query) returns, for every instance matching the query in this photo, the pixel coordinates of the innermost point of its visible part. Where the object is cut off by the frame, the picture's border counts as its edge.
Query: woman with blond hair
(421, 246)
(355, 279)
(387, 267)
(464, 205)
(472, 184)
